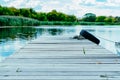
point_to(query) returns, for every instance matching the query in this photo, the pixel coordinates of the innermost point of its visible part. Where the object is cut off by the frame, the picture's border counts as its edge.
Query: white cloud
(114, 3)
(77, 2)
(6, 0)
(16, 3)
(32, 3)
(53, 4)
(90, 1)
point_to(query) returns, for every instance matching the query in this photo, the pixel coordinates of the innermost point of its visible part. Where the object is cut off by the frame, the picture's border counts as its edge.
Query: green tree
(1, 10)
(6, 11)
(32, 13)
(15, 11)
(61, 16)
(58, 16)
(41, 16)
(71, 18)
(52, 16)
(110, 19)
(117, 19)
(25, 12)
(100, 19)
(89, 17)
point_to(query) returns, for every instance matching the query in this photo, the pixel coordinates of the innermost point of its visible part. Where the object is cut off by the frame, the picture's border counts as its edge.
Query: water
(108, 35)
(12, 39)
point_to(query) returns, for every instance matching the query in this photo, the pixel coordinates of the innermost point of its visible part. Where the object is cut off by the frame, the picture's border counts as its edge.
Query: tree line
(57, 16)
(41, 16)
(90, 17)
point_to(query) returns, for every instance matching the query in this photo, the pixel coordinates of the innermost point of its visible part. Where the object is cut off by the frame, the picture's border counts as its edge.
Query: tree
(110, 19)
(100, 19)
(6, 11)
(71, 18)
(1, 10)
(117, 19)
(52, 16)
(25, 12)
(41, 16)
(58, 16)
(33, 13)
(61, 16)
(89, 17)
(15, 11)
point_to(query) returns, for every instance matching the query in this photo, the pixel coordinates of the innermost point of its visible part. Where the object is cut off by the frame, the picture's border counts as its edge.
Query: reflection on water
(12, 39)
(8, 34)
(117, 46)
(108, 35)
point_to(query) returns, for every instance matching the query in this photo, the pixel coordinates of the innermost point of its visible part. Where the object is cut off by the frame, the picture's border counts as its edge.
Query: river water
(12, 39)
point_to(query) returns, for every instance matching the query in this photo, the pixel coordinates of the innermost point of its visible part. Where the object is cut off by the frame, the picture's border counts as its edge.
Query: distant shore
(11, 16)
(23, 21)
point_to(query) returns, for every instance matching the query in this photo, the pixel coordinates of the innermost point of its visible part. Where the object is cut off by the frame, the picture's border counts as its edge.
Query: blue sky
(76, 7)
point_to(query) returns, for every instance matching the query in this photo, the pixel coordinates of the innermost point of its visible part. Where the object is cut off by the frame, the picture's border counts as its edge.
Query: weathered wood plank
(39, 69)
(63, 53)
(62, 73)
(65, 61)
(50, 65)
(70, 56)
(63, 46)
(60, 77)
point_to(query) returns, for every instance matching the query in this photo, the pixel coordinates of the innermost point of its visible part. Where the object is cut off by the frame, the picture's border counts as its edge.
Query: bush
(17, 21)
(23, 21)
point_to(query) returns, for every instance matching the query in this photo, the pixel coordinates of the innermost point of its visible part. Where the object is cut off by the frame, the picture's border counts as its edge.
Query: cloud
(32, 3)
(6, 0)
(17, 3)
(114, 3)
(90, 1)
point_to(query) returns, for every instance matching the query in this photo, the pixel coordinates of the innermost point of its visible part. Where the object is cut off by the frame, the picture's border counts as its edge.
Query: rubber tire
(89, 36)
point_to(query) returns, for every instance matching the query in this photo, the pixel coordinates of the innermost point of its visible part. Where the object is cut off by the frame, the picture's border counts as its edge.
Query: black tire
(89, 36)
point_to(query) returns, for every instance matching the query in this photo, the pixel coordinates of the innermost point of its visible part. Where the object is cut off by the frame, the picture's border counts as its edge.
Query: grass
(23, 21)
(84, 51)
(17, 21)
(57, 23)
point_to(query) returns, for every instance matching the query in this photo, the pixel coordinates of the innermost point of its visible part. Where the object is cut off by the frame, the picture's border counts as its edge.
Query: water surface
(12, 39)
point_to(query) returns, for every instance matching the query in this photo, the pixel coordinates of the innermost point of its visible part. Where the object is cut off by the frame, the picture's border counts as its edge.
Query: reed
(17, 21)
(23, 21)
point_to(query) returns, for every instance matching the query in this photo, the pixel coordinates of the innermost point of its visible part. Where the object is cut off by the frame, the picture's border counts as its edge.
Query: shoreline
(24, 21)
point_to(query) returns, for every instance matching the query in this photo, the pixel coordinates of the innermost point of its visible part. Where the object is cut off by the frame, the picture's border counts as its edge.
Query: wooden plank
(62, 73)
(58, 56)
(52, 55)
(63, 46)
(60, 77)
(50, 65)
(69, 53)
(65, 61)
(39, 69)
(58, 67)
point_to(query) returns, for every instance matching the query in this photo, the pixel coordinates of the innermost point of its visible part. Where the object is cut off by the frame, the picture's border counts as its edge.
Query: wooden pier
(61, 58)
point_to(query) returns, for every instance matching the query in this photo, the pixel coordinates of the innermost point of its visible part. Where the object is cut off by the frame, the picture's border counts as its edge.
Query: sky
(72, 7)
